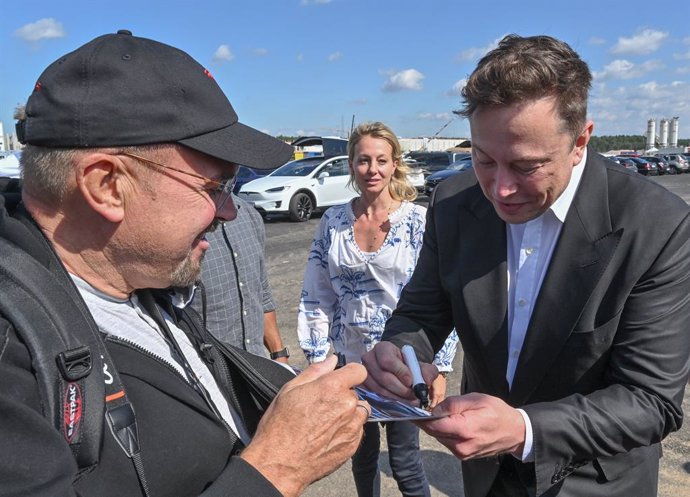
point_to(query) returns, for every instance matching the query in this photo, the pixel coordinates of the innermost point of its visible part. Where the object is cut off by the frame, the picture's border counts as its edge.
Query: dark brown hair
(523, 69)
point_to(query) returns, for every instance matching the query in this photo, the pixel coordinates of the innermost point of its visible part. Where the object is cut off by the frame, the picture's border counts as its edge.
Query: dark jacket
(606, 354)
(186, 449)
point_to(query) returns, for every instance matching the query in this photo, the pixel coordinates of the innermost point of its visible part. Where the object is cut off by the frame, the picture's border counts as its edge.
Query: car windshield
(460, 165)
(244, 172)
(300, 167)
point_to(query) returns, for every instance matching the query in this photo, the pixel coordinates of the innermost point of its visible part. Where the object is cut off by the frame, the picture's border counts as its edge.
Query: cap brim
(242, 145)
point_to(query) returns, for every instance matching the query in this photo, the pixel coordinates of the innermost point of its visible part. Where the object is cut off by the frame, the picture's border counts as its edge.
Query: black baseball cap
(121, 90)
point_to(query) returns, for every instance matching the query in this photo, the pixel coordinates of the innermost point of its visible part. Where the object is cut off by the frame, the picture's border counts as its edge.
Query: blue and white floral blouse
(348, 295)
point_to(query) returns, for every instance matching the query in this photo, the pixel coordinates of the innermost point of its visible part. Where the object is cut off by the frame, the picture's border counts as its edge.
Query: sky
(303, 67)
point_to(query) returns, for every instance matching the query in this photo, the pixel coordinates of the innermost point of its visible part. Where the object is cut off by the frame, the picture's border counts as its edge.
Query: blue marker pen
(418, 386)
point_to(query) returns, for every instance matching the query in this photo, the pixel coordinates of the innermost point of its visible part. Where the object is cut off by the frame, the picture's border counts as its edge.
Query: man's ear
(584, 137)
(100, 181)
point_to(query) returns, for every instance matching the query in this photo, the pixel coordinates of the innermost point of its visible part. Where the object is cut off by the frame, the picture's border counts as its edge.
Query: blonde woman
(363, 254)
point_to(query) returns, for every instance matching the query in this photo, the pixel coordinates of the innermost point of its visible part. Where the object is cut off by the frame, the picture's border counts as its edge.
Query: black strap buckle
(75, 364)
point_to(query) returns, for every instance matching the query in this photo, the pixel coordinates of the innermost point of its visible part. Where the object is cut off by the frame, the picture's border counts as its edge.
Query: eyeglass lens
(224, 191)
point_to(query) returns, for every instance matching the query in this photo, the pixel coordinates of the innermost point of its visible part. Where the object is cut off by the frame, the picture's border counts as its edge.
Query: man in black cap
(131, 154)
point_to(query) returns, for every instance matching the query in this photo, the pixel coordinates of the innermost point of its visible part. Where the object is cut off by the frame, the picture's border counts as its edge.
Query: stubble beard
(189, 270)
(186, 273)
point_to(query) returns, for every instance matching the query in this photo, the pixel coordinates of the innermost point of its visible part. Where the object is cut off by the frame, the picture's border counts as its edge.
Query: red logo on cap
(38, 86)
(208, 73)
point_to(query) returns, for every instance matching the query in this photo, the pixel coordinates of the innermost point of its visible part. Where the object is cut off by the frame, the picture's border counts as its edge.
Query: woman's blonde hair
(399, 187)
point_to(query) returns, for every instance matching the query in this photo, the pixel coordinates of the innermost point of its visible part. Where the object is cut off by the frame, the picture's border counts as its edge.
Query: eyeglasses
(219, 191)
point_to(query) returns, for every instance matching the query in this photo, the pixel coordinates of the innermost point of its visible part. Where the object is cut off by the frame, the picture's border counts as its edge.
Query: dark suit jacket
(607, 352)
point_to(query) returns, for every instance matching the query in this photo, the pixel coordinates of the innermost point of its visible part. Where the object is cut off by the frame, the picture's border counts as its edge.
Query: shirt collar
(181, 297)
(562, 204)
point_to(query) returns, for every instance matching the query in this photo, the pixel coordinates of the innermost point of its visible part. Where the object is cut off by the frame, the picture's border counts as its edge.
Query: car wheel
(301, 207)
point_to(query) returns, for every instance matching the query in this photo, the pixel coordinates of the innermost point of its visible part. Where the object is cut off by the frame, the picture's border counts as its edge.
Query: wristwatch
(280, 353)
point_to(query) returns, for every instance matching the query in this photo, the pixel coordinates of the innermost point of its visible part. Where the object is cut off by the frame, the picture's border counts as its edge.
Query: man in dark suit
(568, 280)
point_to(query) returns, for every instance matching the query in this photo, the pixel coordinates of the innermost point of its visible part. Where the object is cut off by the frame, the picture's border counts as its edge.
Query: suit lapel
(484, 283)
(584, 249)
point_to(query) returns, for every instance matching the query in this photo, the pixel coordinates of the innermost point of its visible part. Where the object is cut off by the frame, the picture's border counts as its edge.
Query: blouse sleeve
(318, 299)
(444, 357)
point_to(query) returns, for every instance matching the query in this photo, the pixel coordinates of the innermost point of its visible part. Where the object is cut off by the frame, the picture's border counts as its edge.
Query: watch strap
(284, 352)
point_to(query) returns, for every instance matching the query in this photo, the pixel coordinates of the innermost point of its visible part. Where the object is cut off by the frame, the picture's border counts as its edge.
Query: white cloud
(42, 29)
(476, 53)
(438, 116)
(300, 57)
(314, 2)
(618, 69)
(223, 54)
(624, 69)
(260, 52)
(359, 101)
(645, 42)
(335, 56)
(596, 40)
(625, 109)
(682, 56)
(456, 88)
(409, 79)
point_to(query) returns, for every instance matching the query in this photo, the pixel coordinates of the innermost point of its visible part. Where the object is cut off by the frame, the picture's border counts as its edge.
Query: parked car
(661, 164)
(9, 163)
(677, 162)
(246, 174)
(624, 162)
(299, 187)
(643, 167)
(430, 161)
(415, 175)
(434, 179)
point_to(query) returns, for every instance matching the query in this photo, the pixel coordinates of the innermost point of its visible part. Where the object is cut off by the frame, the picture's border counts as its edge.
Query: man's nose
(504, 182)
(228, 210)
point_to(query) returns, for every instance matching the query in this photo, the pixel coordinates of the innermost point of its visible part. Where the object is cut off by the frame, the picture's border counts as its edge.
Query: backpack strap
(64, 350)
(78, 383)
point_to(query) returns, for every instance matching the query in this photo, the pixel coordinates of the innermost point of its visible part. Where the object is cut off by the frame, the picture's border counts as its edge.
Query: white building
(429, 144)
(8, 143)
(3, 139)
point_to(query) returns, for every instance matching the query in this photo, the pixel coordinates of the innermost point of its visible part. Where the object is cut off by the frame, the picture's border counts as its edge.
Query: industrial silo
(663, 131)
(651, 133)
(674, 132)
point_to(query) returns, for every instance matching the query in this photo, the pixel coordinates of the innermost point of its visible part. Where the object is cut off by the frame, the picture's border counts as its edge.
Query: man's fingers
(457, 404)
(347, 377)
(350, 375)
(429, 372)
(364, 408)
(388, 374)
(316, 370)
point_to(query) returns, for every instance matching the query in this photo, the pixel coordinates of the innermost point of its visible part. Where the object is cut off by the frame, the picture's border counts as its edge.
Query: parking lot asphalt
(287, 246)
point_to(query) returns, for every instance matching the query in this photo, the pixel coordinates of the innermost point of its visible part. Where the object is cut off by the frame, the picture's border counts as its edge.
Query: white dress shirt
(530, 247)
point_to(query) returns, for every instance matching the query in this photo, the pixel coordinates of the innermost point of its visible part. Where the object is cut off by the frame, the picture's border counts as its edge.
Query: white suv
(679, 162)
(301, 186)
